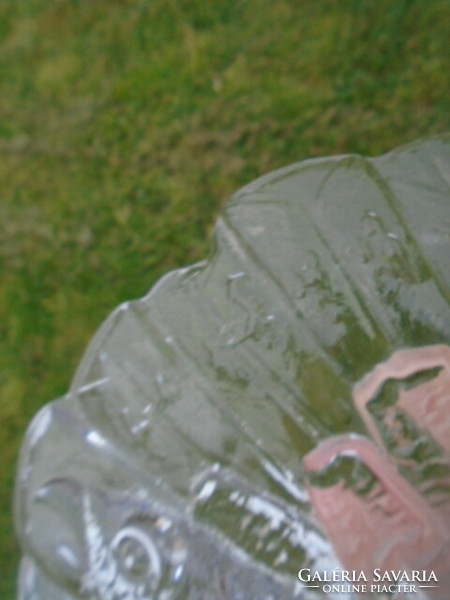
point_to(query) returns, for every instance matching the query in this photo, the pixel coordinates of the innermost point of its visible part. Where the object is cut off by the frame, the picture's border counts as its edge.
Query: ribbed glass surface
(233, 427)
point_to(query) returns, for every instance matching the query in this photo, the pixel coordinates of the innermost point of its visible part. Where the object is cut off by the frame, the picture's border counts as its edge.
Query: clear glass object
(281, 406)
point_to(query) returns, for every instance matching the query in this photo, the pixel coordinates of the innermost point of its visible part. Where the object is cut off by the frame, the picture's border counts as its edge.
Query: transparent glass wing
(232, 427)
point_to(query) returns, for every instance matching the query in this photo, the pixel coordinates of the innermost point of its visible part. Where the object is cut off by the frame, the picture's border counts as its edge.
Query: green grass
(125, 125)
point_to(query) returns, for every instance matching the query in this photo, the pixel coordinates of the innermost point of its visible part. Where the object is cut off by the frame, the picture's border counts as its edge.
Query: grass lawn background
(124, 127)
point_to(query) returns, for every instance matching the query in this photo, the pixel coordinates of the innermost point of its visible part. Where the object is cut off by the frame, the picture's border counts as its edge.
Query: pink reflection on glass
(394, 524)
(427, 403)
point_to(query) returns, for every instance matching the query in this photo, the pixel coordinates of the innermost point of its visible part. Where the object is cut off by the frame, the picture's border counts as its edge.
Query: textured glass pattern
(233, 427)
(399, 501)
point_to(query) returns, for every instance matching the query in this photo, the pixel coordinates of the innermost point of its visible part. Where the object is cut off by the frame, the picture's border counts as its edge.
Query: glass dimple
(136, 555)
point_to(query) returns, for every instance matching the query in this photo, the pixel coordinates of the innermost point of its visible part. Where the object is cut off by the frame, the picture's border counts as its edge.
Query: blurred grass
(126, 124)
